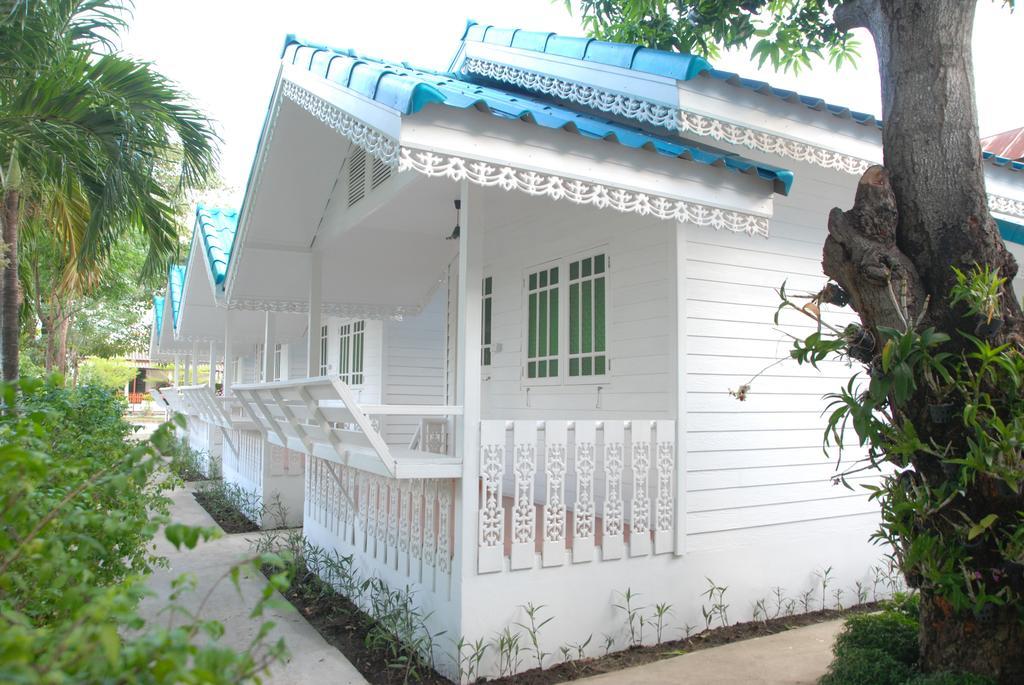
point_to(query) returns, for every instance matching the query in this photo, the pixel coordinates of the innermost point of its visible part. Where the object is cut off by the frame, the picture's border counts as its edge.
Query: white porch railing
(320, 416)
(171, 399)
(575, 487)
(399, 529)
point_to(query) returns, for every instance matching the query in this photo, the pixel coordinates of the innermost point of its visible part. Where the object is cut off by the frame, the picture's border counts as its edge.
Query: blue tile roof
(676, 65)
(175, 285)
(408, 90)
(1011, 232)
(158, 313)
(217, 228)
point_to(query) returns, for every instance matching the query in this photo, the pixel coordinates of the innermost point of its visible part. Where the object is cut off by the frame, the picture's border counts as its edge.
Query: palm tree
(82, 130)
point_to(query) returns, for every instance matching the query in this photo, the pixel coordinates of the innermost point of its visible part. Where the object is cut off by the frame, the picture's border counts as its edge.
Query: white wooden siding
(759, 463)
(414, 365)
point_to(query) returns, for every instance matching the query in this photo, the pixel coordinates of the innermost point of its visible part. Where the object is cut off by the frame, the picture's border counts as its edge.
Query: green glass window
(344, 352)
(323, 350)
(350, 352)
(587, 317)
(542, 324)
(486, 296)
(358, 329)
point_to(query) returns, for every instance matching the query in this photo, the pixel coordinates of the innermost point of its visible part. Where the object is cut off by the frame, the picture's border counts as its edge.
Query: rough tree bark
(925, 212)
(10, 324)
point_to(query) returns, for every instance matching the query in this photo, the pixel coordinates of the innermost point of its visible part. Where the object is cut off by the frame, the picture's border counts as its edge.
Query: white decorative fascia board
(509, 178)
(671, 118)
(1006, 205)
(351, 311)
(674, 119)
(579, 192)
(374, 142)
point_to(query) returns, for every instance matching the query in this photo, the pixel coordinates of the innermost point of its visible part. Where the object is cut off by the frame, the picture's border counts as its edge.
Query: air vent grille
(381, 173)
(356, 176)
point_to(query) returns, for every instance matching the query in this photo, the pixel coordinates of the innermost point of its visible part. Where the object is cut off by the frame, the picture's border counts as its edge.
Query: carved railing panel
(600, 490)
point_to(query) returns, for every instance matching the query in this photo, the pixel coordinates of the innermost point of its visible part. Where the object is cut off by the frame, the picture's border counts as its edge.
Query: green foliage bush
(860, 666)
(881, 649)
(950, 679)
(80, 505)
(189, 464)
(889, 631)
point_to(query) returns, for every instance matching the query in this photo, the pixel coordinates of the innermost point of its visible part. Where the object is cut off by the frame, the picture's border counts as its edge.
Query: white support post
(467, 386)
(195, 363)
(313, 336)
(177, 369)
(229, 358)
(213, 365)
(186, 370)
(269, 336)
(682, 231)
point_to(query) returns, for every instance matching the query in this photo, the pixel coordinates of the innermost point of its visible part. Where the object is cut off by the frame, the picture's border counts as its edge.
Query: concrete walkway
(312, 659)
(794, 657)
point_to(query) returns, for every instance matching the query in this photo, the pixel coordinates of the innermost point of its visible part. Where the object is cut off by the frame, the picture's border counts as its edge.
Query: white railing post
(269, 335)
(313, 332)
(229, 357)
(213, 366)
(472, 221)
(679, 373)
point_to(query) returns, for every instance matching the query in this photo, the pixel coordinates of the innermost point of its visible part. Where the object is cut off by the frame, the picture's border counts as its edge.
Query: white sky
(226, 53)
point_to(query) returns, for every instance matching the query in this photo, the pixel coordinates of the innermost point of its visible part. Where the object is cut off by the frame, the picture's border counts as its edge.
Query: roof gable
(407, 90)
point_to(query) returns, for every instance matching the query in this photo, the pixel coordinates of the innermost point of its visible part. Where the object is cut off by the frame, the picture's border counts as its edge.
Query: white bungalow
(526, 288)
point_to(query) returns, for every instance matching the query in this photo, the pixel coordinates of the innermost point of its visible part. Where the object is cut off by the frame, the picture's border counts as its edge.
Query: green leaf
(981, 526)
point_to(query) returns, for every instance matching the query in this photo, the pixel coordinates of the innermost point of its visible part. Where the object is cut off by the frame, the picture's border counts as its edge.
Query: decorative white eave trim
(579, 192)
(1006, 205)
(353, 311)
(670, 118)
(675, 119)
(530, 182)
(374, 142)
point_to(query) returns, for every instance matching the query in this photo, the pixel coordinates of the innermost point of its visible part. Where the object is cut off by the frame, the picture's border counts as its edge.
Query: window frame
(278, 358)
(325, 334)
(259, 353)
(352, 340)
(593, 379)
(487, 321)
(563, 378)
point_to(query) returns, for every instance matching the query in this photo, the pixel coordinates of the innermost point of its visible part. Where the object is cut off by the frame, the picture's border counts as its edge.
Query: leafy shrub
(235, 509)
(860, 666)
(889, 632)
(950, 679)
(905, 603)
(191, 465)
(80, 505)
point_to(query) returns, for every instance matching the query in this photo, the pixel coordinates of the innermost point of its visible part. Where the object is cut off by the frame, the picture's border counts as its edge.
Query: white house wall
(757, 464)
(639, 329)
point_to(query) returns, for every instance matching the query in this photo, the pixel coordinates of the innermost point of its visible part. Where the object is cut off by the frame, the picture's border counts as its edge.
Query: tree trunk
(924, 213)
(11, 324)
(62, 346)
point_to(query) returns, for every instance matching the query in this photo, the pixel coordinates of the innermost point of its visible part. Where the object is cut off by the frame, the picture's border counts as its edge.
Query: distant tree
(82, 130)
(112, 374)
(942, 344)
